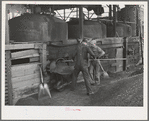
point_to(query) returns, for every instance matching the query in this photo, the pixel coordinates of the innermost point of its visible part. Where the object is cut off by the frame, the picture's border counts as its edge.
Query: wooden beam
(125, 62)
(34, 59)
(19, 46)
(110, 45)
(25, 66)
(36, 55)
(26, 83)
(110, 12)
(8, 61)
(64, 15)
(81, 22)
(26, 77)
(24, 53)
(24, 72)
(7, 40)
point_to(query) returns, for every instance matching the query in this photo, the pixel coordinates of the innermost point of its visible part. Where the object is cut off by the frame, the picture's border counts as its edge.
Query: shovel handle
(41, 75)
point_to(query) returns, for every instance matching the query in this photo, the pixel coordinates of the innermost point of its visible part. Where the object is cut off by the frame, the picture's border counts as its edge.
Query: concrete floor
(118, 90)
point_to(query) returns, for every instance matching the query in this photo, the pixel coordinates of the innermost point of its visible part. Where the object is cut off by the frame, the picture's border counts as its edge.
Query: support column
(125, 62)
(76, 12)
(114, 20)
(88, 15)
(64, 14)
(110, 12)
(8, 64)
(81, 22)
(137, 21)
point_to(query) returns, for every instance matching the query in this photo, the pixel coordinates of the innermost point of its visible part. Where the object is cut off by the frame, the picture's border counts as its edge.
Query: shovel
(105, 74)
(43, 87)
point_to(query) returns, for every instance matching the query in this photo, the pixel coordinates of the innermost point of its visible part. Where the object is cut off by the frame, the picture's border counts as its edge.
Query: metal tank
(37, 27)
(129, 14)
(91, 29)
(122, 30)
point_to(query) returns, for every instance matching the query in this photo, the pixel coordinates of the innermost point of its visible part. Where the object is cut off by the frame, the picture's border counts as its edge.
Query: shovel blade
(47, 89)
(105, 75)
(43, 91)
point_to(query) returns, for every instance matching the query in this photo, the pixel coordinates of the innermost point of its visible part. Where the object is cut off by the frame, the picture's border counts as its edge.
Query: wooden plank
(26, 83)
(25, 72)
(34, 59)
(7, 40)
(28, 56)
(19, 46)
(116, 64)
(109, 40)
(24, 53)
(26, 77)
(38, 45)
(110, 45)
(25, 91)
(19, 67)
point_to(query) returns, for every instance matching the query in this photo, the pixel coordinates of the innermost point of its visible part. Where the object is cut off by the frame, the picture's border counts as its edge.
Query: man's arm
(100, 51)
(90, 51)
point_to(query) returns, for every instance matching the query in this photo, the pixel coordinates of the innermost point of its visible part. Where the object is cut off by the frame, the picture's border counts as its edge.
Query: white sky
(67, 12)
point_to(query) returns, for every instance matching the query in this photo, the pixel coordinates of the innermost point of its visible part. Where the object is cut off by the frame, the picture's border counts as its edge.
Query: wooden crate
(24, 76)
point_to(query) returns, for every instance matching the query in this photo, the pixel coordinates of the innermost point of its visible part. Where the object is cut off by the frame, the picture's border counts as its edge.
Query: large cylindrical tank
(129, 14)
(122, 30)
(37, 27)
(91, 29)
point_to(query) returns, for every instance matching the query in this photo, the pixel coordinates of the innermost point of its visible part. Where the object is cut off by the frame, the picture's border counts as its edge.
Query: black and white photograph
(74, 60)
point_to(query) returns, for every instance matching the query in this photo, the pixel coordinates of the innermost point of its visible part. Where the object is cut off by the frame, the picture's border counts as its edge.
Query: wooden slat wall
(24, 78)
(6, 84)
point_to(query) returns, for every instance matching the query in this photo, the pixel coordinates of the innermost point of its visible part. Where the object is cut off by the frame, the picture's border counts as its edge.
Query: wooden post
(137, 21)
(8, 63)
(114, 20)
(64, 14)
(88, 14)
(76, 12)
(81, 22)
(110, 12)
(125, 62)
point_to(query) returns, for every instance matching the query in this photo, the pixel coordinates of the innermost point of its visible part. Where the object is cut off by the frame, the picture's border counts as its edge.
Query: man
(82, 65)
(94, 66)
